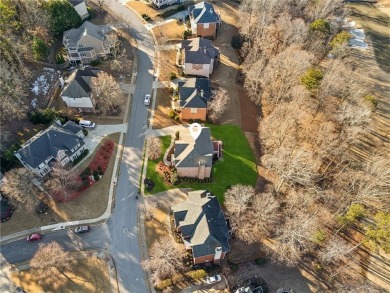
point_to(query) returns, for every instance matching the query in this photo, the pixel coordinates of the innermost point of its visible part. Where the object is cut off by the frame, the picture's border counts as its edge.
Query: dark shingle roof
(202, 220)
(204, 12)
(48, 143)
(199, 51)
(75, 2)
(80, 85)
(194, 93)
(71, 126)
(192, 153)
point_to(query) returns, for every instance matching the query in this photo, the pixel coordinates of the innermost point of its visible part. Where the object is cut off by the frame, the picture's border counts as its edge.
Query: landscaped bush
(372, 101)
(177, 135)
(163, 284)
(85, 132)
(177, 118)
(340, 39)
(177, 278)
(39, 49)
(146, 17)
(198, 274)
(236, 42)
(95, 62)
(82, 156)
(171, 113)
(174, 178)
(172, 75)
(312, 78)
(187, 33)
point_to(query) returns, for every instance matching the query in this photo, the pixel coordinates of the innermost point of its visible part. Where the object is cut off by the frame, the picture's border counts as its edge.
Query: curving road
(119, 235)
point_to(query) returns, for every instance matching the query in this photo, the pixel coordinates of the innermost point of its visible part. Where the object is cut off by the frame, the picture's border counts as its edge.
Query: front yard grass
(237, 165)
(151, 171)
(89, 275)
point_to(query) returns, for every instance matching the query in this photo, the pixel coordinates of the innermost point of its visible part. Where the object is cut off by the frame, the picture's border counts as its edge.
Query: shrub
(171, 113)
(95, 62)
(146, 17)
(85, 182)
(39, 49)
(177, 135)
(320, 25)
(340, 39)
(174, 178)
(319, 236)
(198, 274)
(261, 261)
(172, 75)
(85, 132)
(177, 278)
(82, 156)
(96, 176)
(372, 101)
(163, 284)
(312, 78)
(187, 33)
(355, 212)
(236, 42)
(91, 12)
(177, 118)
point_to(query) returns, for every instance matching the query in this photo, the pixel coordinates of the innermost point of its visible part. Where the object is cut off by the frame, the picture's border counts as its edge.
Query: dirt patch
(242, 252)
(163, 104)
(89, 275)
(168, 32)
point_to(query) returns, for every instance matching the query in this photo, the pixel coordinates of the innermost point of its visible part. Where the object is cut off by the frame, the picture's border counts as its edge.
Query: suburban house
(193, 157)
(203, 226)
(205, 21)
(89, 42)
(56, 144)
(163, 3)
(194, 95)
(80, 7)
(197, 57)
(77, 91)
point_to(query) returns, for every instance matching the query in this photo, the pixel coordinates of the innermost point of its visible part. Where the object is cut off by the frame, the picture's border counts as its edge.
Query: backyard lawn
(236, 167)
(151, 171)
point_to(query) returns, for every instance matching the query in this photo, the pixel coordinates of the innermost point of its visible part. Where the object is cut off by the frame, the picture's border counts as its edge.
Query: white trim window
(194, 110)
(206, 25)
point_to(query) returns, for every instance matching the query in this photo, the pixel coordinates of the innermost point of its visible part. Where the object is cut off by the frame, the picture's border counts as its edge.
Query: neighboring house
(205, 21)
(89, 42)
(163, 3)
(56, 144)
(194, 95)
(197, 57)
(80, 7)
(203, 227)
(77, 92)
(194, 157)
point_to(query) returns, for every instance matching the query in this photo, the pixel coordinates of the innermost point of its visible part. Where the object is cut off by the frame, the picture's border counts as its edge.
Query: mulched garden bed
(91, 175)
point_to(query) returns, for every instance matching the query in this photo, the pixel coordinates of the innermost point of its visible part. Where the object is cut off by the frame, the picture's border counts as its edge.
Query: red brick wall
(206, 32)
(207, 258)
(187, 115)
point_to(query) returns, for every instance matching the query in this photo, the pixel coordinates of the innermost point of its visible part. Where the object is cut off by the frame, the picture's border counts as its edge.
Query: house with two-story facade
(197, 57)
(205, 20)
(55, 145)
(89, 42)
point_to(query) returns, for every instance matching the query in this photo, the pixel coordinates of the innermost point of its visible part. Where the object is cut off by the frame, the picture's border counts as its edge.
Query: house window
(197, 66)
(194, 110)
(206, 25)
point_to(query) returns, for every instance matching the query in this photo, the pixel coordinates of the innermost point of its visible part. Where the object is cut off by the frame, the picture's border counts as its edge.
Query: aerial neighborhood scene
(195, 146)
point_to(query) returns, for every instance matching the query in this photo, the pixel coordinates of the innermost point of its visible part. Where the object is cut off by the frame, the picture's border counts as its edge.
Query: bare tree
(101, 4)
(165, 259)
(148, 208)
(51, 261)
(218, 104)
(61, 181)
(237, 199)
(106, 91)
(154, 147)
(335, 250)
(18, 185)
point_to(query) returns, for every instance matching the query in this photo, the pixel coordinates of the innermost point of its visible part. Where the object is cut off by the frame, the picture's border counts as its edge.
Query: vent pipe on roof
(211, 10)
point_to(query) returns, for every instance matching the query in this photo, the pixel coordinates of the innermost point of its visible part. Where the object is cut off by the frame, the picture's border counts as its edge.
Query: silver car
(81, 229)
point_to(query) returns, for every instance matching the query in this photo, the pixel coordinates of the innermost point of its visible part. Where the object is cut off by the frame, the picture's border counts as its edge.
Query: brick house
(203, 226)
(89, 42)
(194, 94)
(205, 20)
(77, 91)
(56, 144)
(197, 57)
(194, 157)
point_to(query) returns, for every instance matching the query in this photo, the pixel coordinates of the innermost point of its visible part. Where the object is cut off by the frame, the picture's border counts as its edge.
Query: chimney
(211, 10)
(218, 253)
(205, 49)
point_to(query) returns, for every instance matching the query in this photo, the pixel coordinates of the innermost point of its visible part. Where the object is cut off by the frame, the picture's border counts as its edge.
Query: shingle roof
(80, 85)
(48, 143)
(75, 2)
(87, 28)
(202, 220)
(199, 51)
(192, 153)
(73, 127)
(194, 93)
(203, 12)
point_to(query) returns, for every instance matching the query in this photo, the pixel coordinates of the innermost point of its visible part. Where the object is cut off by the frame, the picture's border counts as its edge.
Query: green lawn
(151, 172)
(237, 165)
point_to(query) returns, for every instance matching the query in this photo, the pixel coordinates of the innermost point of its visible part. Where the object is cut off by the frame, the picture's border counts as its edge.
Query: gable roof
(194, 93)
(202, 223)
(74, 35)
(73, 127)
(47, 143)
(199, 51)
(192, 153)
(75, 2)
(203, 12)
(80, 85)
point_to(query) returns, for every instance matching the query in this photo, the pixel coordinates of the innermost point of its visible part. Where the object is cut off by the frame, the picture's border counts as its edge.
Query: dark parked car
(81, 229)
(33, 237)
(6, 209)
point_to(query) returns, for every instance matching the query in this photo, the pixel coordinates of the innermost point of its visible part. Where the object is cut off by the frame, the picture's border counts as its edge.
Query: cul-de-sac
(179, 146)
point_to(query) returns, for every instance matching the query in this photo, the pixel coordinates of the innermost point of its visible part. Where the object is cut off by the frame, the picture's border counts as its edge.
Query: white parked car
(87, 124)
(147, 100)
(213, 279)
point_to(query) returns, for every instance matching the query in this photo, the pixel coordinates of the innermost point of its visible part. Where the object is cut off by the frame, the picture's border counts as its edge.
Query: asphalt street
(119, 235)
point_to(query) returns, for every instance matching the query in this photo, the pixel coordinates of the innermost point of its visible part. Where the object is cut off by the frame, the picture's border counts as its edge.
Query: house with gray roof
(77, 92)
(80, 7)
(197, 57)
(55, 145)
(203, 226)
(194, 95)
(89, 42)
(205, 20)
(193, 157)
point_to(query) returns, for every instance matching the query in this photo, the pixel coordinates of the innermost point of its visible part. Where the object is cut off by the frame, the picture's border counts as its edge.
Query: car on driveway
(213, 279)
(6, 209)
(33, 237)
(81, 229)
(147, 100)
